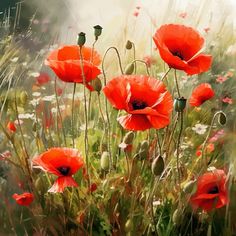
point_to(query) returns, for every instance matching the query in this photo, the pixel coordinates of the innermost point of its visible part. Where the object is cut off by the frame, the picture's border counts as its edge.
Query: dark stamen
(178, 54)
(138, 105)
(213, 190)
(64, 170)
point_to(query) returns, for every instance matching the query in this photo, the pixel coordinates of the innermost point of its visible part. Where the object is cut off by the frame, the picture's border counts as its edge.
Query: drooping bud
(81, 39)
(129, 69)
(158, 166)
(190, 187)
(180, 104)
(104, 162)
(97, 84)
(128, 225)
(23, 97)
(97, 31)
(128, 45)
(222, 118)
(129, 137)
(176, 217)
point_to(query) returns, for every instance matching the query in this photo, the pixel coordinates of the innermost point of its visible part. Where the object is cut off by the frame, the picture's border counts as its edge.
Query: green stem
(134, 51)
(164, 76)
(85, 116)
(72, 118)
(177, 86)
(138, 60)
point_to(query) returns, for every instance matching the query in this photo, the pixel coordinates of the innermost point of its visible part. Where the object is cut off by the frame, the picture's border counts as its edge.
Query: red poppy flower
(11, 126)
(179, 46)
(62, 162)
(66, 63)
(200, 94)
(42, 79)
(23, 199)
(211, 191)
(146, 100)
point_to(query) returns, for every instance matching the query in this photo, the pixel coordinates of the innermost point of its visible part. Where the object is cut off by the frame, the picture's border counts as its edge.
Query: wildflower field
(117, 118)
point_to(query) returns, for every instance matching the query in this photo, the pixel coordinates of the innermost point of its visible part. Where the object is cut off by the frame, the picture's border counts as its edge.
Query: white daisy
(200, 129)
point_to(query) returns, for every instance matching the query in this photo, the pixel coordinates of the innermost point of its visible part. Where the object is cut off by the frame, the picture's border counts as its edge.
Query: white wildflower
(200, 128)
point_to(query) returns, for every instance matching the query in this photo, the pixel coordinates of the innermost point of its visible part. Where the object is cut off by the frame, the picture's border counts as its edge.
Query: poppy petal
(159, 122)
(134, 122)
(198, 64)
(61, 183)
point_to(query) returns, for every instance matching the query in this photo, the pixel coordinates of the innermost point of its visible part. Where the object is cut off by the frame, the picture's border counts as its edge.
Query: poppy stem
(208, 135)
(85, 116)
(138, 60)
(165, 75)
(177, 85)
(106, 105)
(72, 118)
(59, 112)
(134, 51)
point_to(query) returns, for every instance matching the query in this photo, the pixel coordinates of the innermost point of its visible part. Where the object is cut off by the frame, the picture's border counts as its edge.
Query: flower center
(213, 190)
(178, 54)
(138, 105)
(64, 170)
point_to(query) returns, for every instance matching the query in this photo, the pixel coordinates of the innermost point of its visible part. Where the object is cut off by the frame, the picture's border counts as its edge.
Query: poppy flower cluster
(200, 94)
(62, 162)
(144, 98)
(24, 199)
(211, 191)
(179, 46)
(66, 63)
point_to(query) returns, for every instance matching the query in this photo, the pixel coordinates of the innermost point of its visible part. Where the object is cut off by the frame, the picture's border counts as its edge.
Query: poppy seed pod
(222, 118)
(129, 137)
(97, 31)
(158, 166)
(97, 84)
(128, 45)
(129, 69)
(104, 162)
(180, 104)
(81, 39)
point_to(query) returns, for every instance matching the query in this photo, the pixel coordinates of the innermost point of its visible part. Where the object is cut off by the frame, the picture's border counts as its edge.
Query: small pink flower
(149, 60)
(217, 135)
(207, 29)
(5, 155)
(227, 100)
(221, 79)
(136, 13)
(183, 15)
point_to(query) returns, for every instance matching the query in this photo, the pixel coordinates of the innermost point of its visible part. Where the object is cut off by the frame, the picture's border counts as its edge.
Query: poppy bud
(97, 84)
(97, 31)
(81, 39)
(222, 118)
(176, 217)
(128, 45)
(128, 225)
(11, 126)
(143, 152)
(129, 69)
(128, 139)
(158, 166)
(180, 104)
(105, 161)
(34, 127)
(23, 97)
(190, 187)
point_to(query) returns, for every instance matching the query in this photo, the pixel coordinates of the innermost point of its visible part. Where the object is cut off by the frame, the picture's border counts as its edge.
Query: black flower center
(138, 105)
(178, 54)
(64, 170)
(213, 190)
